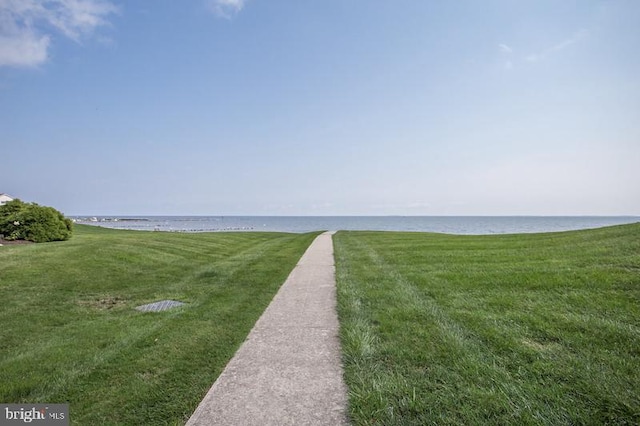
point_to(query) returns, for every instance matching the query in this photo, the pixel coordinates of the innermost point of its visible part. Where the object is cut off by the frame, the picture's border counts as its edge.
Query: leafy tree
(33, 222)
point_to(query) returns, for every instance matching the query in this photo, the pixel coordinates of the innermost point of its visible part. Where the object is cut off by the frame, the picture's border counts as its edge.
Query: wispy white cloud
(26, 26)
(564, 44)
(506, 52)
(504, 48)
(225, 8)
(22, 47)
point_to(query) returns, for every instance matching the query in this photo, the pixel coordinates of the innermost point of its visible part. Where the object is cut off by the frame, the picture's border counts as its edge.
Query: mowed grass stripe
(70, 333)
(511, 329)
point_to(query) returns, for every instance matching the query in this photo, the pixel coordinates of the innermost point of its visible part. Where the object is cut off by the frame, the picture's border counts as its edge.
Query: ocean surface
(464, 225)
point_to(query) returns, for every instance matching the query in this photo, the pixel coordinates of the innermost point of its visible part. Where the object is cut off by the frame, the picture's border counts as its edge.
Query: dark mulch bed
(14, 242)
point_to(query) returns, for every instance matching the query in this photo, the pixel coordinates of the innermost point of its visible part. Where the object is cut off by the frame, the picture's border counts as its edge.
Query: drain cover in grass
(162, 305)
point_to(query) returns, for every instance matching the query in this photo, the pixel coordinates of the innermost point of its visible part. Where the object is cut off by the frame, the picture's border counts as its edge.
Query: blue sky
(335, 107)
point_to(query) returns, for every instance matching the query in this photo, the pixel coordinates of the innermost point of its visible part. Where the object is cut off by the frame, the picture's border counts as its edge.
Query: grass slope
(511, 329)
(70, 333)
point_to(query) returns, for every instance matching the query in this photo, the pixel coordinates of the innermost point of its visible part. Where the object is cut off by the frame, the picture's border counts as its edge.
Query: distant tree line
(33, 222)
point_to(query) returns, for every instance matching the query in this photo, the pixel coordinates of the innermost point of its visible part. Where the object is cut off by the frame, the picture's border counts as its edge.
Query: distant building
(4, 199)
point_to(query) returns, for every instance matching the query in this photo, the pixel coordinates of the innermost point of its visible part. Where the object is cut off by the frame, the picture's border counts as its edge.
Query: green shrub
(32, 222)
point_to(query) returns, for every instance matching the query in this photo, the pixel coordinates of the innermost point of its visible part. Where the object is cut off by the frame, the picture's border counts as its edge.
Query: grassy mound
(511, 329)
(70, 332)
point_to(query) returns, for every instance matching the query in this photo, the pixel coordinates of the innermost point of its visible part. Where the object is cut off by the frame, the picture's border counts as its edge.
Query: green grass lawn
(511, 329)
(69, 331)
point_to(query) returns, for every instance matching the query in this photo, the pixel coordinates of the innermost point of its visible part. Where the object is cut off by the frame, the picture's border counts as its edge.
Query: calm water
(441, 224)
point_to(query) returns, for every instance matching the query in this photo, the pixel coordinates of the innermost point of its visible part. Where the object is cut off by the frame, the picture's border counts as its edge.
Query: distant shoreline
(464, 225)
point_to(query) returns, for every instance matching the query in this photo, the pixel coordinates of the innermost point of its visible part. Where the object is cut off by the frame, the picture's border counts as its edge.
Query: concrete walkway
(288, 371)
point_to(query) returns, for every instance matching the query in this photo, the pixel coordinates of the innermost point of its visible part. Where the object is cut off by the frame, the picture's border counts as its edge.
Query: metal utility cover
(162, 305)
